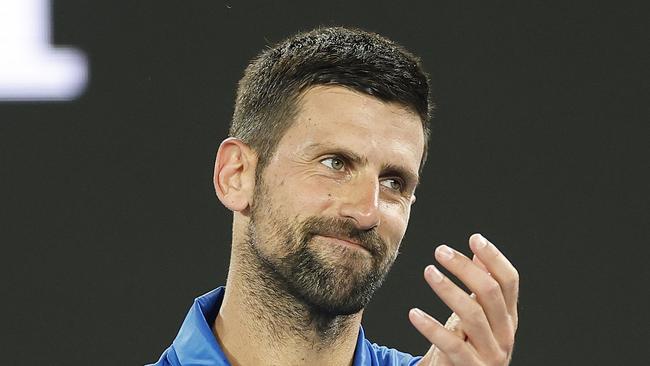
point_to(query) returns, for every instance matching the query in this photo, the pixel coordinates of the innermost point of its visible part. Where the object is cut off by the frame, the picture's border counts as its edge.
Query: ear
(234, 174)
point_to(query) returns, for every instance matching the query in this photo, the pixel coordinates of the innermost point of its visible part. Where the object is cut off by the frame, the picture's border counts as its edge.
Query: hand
(481, 331)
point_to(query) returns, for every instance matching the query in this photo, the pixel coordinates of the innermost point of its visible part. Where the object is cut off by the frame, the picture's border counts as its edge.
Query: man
(327, 141)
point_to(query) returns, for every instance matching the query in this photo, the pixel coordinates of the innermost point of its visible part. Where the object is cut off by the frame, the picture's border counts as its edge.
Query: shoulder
(386, 356)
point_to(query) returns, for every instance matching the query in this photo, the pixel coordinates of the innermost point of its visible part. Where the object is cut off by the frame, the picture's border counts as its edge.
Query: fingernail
(482, 242)
(433, 273)
(445, 252)
(419, 314)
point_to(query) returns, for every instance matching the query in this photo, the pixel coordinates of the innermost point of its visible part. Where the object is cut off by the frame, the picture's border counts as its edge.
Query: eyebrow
(386, 169)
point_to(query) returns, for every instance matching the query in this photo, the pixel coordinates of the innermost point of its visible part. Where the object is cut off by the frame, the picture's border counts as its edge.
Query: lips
(346, 241)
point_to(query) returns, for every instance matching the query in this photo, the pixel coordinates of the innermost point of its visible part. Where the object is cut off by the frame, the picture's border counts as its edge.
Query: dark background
(110, 227)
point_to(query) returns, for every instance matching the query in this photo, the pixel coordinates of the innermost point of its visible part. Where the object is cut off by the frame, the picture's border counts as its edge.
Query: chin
(328, 307)
(340, 296)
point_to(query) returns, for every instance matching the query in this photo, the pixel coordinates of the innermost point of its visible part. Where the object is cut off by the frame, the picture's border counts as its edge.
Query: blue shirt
(196, 345)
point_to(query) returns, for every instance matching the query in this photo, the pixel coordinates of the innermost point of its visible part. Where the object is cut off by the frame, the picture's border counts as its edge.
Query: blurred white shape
(30, 68)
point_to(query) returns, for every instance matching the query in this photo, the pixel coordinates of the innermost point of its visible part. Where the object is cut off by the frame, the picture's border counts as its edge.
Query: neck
(259, 323)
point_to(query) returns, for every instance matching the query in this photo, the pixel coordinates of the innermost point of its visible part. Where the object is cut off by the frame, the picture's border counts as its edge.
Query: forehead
(335, 116)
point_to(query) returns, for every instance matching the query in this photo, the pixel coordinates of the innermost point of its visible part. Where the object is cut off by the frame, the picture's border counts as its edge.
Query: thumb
(455, 325)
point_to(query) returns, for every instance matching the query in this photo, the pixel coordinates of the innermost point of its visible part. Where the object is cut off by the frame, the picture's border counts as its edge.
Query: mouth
(346, 242)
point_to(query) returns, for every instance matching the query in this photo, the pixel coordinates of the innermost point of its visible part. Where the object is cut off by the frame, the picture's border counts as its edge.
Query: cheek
(394, 222)
(292, 196)
(311, 195)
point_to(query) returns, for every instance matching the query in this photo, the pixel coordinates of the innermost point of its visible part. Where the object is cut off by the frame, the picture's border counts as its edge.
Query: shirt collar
(195, 343)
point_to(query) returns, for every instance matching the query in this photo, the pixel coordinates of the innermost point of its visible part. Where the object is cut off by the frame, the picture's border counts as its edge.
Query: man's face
(333, 203)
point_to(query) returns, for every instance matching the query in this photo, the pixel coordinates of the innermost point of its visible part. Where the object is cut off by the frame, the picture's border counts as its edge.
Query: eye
(333, 163)
(392, 183)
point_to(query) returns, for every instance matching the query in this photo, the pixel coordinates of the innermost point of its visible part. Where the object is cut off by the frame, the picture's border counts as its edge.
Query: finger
(488, 292)
(500, 268)
(440, 358)
(435, 357)
(457, 350)
(474, 322)
(480, 264)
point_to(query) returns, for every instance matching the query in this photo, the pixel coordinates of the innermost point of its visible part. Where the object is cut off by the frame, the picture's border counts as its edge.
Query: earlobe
(234, 174)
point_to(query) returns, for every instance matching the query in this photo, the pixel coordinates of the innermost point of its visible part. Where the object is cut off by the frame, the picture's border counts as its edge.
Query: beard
(330, 280)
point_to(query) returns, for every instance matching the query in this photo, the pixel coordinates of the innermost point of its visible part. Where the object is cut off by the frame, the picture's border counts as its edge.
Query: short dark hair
(268, 92)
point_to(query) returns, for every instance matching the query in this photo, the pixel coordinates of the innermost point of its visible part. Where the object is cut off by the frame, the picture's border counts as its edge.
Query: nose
(361, 202)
